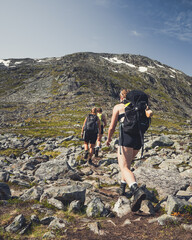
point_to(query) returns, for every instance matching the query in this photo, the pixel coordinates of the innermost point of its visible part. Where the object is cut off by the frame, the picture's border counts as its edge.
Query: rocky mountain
(39, 88)
(49, 191)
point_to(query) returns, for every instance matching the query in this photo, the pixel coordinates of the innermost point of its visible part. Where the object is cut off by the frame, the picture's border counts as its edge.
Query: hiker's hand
(148, 113)
(108, 142)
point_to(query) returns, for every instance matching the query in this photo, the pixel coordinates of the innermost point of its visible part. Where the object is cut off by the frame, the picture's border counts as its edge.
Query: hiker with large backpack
(134, 117)
(90, 130)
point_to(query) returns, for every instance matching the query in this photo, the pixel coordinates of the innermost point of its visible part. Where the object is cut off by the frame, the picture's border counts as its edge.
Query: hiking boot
(86, 154)
(121, 190)
(90, 161)
(139, 196)
(96, 152)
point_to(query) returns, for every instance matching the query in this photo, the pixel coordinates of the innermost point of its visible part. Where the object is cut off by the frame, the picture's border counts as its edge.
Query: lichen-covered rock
(52, 170)
(175, 204)
(65, 194)
(95, 208)
(17, 224)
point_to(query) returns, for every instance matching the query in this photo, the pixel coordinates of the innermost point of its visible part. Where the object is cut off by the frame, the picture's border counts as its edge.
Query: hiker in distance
(129, 143)
(90, 130)
(103, 122)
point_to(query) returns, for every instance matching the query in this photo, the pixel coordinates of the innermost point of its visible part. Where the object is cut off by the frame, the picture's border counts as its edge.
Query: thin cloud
(135, 33)
(179, 26)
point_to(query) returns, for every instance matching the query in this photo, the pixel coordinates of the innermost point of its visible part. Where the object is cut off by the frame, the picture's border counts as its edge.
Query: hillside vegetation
(48, 96)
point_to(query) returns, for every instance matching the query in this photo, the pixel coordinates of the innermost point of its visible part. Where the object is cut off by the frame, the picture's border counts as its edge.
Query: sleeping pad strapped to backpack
(136, 122)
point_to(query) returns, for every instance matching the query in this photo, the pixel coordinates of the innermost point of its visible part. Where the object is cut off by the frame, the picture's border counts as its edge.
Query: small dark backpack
(91, 124)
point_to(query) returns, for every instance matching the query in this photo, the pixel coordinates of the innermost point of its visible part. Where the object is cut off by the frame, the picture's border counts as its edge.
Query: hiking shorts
(90, 137)
(132, 141)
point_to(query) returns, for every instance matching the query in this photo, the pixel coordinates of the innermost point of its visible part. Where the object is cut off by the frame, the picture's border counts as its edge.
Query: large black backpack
(91, 124)
(136, 122)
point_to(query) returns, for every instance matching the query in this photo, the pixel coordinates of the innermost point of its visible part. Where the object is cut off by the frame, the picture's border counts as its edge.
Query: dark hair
(94, 110)
(99, 110)
(123, 92)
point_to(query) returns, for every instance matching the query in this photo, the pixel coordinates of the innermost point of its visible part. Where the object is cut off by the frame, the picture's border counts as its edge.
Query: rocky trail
(48, 191)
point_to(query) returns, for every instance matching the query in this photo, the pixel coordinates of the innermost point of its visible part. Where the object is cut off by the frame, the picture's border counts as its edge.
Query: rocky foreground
(52, 179)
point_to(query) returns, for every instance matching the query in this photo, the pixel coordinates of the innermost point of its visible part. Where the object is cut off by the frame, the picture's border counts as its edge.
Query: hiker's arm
(83, 126)
(113, 124)
(104, 121)
(99, 126)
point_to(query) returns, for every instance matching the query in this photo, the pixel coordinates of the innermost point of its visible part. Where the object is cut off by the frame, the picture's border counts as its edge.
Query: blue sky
(158, 29)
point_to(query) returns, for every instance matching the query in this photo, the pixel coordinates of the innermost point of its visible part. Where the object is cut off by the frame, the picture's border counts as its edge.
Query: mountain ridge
(31, 86)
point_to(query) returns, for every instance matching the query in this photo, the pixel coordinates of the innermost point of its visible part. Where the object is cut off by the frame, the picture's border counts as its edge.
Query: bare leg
(91, 150)
(86, 146)
(124, 160)
(99, 141)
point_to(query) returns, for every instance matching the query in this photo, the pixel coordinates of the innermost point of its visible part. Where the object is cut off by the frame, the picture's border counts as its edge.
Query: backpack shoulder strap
(127, 104)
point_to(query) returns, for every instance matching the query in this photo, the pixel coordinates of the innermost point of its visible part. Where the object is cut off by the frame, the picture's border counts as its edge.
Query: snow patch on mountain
(5, 62)
(118, 61)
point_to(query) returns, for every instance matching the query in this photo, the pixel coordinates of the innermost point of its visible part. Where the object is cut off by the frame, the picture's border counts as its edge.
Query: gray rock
(187, 227)
(5, 192)
(169, 164)
(65, 194)
(57, 223)
(75, 206)
(184, 194)
(52, 170)
(56, 203)
(49, 235)
(153, 161)
(126, 222)
(47, 220)
(17, 224)
(68, 138)
(147, 207)
(29, 165)
(4, 176)
(122, 206)
(95, 208)
(96, 228)
(166, 182)
(175, 204)
(26, 228)
(33, 193)
(20, 182)
(35, 219)
(162, 141)
(187, 173)
(164, 219)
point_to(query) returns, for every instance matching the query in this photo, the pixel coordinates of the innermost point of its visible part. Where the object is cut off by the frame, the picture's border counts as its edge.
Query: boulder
(122, 206)
(175, 204)
(96, 208)
(17, 224)
(65, 194)
(33, 193)
(52, 170)
(5, 192)
(162, 141)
